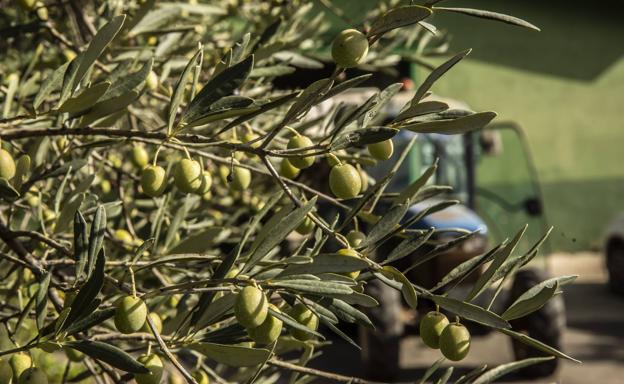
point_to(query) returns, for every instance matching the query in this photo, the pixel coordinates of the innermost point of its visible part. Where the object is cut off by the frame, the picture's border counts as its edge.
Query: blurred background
(562, 91)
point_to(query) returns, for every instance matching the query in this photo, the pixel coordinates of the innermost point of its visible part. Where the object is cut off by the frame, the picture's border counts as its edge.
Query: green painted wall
(565, 86)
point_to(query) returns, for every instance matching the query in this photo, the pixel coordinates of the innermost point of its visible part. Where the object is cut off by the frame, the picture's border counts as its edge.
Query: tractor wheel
(381, 346)
(615, 265)
(546, 325)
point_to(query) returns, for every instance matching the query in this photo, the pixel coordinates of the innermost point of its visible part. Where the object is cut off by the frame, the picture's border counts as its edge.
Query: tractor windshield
(448, 149)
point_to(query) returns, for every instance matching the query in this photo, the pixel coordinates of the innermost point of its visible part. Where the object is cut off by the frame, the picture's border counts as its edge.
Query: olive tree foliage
(142, 173)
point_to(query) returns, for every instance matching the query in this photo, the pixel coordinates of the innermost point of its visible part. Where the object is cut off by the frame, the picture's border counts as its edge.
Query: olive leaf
(533, 343)
(96, 238)
(51, 83)
(407, 289)
(471, 312)
(223, 84)
(67, 212)
(326, 263)
(232, 355)
(100, 41)
(86, 99)
(388, 223)
(310, 96)
(7, 192)
(86, 296)
(408, 246)
(399, 17)
(487, 277)
(345, 85)
(436, 74)
(452, 126)
(535, 297)
(491, 16)
(289, 321)
(109, 354)
(278, 233)
(41, 302)
(362, 136)
(91, 320)
(179, 89)
(502, 370)
(129, 82)
(313, 287)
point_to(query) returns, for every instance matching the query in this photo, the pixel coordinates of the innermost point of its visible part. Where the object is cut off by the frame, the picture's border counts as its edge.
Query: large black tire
(381, 347)
(546, 325)
(615, 265)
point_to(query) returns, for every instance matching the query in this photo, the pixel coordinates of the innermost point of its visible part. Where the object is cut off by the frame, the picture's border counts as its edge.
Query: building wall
(565, 86)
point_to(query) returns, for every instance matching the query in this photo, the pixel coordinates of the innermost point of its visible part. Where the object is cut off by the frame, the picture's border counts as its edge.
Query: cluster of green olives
(452, 339)
(19, 369)
(252, 312)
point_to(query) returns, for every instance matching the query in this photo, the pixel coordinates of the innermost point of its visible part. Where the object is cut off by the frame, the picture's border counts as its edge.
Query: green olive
(155, 365)
(7, 165)
(187, 175)
(350, 252)
(140, 157)
(287, 170)
(431, 327)
(268, 331)
(124, 236)
(206, 183)
(201, 377)
(306, 227)
(74, 355)
(382, 150)
(26, 5)
(250, 136)
(157, 323)
(363, 179)
(33, 375)
(151, 82)
(300, 141)
(251, 307)
(305, 317)
(19, 363)
(130, 314)
(349, 48)
(49, 347)
(455, 342)
(241, 178)
(42, 11)
(153, 180)
(6, 373)
(344, 181)
(355, 238)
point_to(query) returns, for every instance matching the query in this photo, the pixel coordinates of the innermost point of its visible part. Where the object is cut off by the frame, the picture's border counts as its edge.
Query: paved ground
(594, 334)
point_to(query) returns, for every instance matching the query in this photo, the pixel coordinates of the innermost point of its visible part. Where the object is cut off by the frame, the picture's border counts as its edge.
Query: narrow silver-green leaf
(436, 74)
(455, 126)
(100, 41)
(279, 233)
(327, 263)
(41, 306)
(399, 17)
(86, 99)
(313, 287)
(179, 89)
(96, 237)
(81, 244)
(502, 370)
(223, 84)
(108, 354)
(67, 213)
(471, 312)
(388, 223)
(310, 96)
(487, 277)
(407, 289)
(232, 355)
(535, 297)
(362, 137)
(51, 83)
(491, 16)
(531, 342)
(129, 82)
